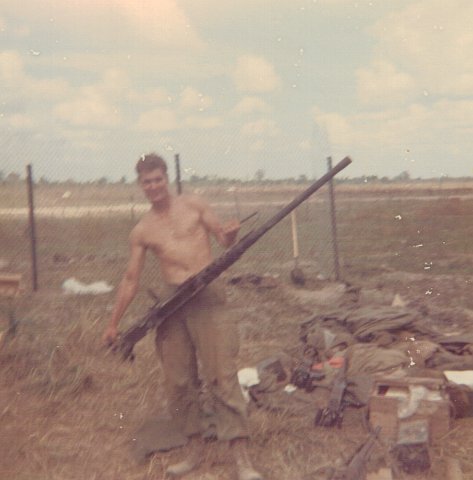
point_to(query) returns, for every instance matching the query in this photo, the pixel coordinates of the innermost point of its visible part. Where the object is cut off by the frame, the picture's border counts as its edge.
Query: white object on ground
(398, 301)
(409, 406)
(289, 388)
(72, 286)
(463, 377)
(410, 400)
(248, 377)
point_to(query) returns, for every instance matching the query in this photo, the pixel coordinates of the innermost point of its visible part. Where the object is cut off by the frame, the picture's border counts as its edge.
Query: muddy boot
(245, 469)
(192, 461)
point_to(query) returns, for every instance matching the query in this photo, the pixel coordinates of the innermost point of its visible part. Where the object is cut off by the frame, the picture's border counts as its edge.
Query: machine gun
(332, 414)
(193, 285)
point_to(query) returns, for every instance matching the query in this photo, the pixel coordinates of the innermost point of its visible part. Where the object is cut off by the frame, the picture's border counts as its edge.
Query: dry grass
(68, 407)
(70, 403)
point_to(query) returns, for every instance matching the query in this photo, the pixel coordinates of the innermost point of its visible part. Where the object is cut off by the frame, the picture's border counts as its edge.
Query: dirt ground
(69, 408)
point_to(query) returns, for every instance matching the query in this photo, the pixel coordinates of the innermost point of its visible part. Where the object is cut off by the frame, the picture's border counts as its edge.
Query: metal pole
(34, 270)
(334, 223)
(237, 204)
(178, 174)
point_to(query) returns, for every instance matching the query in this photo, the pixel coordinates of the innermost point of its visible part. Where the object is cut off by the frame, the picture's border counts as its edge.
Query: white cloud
(260, 127)
(383, 84)
(114, 83)
(20, 121)
(218, 11)
(22, 31)
(202, 123)
(47, 89)
(255, 74)
(82, 138)
(143, 66)
(88, 109)
(11, 68)
(336, 126)
(305, 145)
(400, 128)
(192, 99)
(157, 96)
(19, 31)
(16, 83)
(433, 41)
(162, 23)
(248, 105)
(454, 117)
(257, 146)
(158, 120)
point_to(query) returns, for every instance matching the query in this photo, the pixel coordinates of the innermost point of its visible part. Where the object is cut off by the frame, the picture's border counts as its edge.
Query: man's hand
(110, 335)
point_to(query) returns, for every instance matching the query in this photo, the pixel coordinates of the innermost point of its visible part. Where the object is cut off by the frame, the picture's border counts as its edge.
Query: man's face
(154, 185)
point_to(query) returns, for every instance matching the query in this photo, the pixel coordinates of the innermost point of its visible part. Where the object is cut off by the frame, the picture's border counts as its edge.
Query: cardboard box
(391, 395)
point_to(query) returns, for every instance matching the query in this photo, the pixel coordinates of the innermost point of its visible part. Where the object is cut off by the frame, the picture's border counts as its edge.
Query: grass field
(68, 407)
(398, 228)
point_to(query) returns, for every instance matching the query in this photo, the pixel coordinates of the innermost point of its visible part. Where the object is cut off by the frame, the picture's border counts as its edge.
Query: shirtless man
(178, 230)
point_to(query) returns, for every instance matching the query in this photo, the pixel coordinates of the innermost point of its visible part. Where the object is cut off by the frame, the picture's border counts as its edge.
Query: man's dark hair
(150, 162)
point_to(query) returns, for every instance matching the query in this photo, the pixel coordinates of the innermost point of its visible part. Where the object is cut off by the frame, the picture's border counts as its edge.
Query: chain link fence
(81, 229)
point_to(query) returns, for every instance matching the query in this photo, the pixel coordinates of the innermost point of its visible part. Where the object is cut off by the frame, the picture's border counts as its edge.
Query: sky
(88, 86)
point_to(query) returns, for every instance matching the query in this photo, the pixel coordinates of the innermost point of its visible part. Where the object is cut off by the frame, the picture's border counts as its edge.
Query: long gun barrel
(356, 467)
(160, 311)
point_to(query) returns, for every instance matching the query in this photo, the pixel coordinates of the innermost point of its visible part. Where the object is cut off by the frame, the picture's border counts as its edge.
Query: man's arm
(128, 286)
(225, 234)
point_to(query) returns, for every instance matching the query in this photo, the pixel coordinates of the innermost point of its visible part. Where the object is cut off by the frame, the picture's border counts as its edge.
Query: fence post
(34, 270)
(178, 174)
(237, 204)
(334, 223)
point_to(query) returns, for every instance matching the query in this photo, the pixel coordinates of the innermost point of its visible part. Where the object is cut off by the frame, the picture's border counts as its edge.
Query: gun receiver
(333, 413)
(160, 311)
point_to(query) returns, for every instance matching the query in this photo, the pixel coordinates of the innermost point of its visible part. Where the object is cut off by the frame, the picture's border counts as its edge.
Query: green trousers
(200, 342)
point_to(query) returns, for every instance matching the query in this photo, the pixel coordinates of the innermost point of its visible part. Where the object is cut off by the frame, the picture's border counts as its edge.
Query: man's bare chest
(163, 232)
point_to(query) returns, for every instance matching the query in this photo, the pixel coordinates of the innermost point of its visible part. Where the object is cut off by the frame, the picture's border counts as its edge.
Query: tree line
(259, 177)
